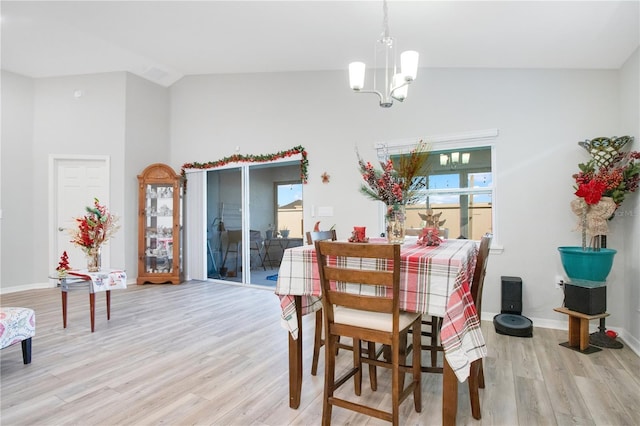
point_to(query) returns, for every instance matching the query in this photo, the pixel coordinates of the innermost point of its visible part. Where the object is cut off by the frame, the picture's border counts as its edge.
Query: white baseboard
(23, 287)
(38, 286)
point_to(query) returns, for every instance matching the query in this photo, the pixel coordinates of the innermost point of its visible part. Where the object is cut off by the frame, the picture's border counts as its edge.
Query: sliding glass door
(224, 224)
(245, 241)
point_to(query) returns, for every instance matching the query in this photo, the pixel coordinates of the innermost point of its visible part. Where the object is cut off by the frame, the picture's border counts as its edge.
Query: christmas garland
(260, 158)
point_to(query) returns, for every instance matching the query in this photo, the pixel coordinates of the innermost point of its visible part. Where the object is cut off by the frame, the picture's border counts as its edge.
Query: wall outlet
(559, 282)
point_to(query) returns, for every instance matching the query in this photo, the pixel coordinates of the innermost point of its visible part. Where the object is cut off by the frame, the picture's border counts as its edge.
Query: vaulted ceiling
(166, 40)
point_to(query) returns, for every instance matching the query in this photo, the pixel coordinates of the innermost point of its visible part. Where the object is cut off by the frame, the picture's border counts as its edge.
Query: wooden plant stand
(579, 330)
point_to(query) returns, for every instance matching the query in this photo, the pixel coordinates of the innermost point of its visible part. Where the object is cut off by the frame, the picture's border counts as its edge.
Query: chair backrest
(255, 236)
(480, 271)
(313, 236)
(349, 271)
(234, 236)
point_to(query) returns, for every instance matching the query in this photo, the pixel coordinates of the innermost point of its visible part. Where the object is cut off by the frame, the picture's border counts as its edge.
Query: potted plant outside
(284, 232)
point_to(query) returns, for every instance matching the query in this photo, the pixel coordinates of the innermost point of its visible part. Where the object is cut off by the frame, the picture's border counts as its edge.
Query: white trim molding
(440, 142)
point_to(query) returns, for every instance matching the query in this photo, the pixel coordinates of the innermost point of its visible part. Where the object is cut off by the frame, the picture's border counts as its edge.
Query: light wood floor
(205, 353)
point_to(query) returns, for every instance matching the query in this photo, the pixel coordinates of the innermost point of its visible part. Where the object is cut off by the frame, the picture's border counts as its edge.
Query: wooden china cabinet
(160, 225)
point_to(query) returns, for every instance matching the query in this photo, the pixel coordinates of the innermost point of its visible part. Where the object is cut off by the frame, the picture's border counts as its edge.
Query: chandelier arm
(372, 91)
(393, 90)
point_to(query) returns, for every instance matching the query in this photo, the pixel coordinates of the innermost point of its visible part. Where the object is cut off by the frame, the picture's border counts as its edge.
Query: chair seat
(16, 324)
(371, 320)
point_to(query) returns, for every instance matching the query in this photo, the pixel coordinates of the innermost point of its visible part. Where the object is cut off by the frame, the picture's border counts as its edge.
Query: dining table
(434, 280)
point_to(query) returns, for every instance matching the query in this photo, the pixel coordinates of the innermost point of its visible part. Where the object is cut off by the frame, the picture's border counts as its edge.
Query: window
(289, 208)
(459, 183)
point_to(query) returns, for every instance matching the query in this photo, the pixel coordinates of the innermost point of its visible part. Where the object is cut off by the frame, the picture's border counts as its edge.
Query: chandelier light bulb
(400, 88)
(356, 75)
(409, 64)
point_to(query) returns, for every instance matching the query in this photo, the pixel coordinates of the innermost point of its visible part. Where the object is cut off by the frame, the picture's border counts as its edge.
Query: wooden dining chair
(476, 376)
(431, 326)
(371, 315)
(318, 341)
(313, 236)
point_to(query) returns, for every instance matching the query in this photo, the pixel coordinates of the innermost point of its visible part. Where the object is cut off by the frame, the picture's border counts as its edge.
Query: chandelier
(454, 159)
(395, 82)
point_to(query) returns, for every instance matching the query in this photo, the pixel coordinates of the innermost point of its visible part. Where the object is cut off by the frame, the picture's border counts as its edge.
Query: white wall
(118, 115)
(146, 142)
(92, 124)
(541, 115)
(16, 179)
(630, 125)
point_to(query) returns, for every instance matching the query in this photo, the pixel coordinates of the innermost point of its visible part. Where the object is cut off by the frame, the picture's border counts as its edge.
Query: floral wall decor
(260, 158)
(603, 183)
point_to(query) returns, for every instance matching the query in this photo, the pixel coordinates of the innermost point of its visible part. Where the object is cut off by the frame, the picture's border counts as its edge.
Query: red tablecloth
(434, 281)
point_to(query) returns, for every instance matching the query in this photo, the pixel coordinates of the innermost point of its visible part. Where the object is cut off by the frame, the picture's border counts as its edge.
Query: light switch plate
(324, 211)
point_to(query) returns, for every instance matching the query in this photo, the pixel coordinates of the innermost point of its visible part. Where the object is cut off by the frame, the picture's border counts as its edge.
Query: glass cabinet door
(159, 229)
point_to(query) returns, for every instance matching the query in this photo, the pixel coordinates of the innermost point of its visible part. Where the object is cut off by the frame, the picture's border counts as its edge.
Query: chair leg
(436, 323)
(481, 375)
(258, 251)
(396, 384)
(237, 255)
(357, 363)
(329, 378)
(474, 396)
(317, 343)
(373, 372)
(224, 260)
(403, 358)
(262, 260)
(26, 350)
(417, 369)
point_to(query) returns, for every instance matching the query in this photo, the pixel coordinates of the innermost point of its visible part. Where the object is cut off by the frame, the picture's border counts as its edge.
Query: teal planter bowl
(587, 266)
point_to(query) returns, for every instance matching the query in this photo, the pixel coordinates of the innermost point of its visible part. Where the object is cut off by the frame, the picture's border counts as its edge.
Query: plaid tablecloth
(433, 280)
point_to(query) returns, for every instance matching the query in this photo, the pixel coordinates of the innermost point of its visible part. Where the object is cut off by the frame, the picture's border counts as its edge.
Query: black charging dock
(510, 321)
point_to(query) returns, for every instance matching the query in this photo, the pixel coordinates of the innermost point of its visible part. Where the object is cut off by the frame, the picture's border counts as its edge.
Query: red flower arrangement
(393, 185)
(591, 192)
(614, 179)
(95, 228)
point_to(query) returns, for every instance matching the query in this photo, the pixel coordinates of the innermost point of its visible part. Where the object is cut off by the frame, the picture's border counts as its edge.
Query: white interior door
(76, 181)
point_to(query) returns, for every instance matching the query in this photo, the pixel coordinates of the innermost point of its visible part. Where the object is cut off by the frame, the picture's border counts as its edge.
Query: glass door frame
(195, 268)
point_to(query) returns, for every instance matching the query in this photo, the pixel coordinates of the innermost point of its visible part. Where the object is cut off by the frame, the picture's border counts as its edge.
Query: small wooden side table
(579, 330)
(82, 281)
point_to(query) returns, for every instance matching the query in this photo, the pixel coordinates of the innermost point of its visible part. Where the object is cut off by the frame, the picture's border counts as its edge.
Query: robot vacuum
(510, 321)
